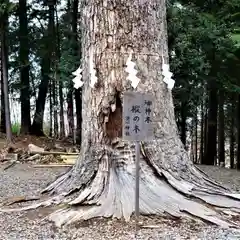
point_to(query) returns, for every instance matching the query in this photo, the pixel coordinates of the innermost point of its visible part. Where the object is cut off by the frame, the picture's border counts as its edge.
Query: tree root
(103, 185)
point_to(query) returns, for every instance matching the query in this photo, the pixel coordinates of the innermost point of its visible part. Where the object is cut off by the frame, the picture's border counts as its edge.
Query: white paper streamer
(78, 79)
(167, 75)
(130, 69)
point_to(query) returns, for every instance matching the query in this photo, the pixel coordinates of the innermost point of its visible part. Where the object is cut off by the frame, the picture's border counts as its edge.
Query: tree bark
(238, 133)
(78, 102)
(77, 53)
(4, 62)
(211, 145)
(202, 134)
(221, 129)
(104, 176)
(70, 114)
(70, 110)
(60, 88)
(55, 105)
(3, 118)
(50, 109)
(24, 68)
(61, 102)
(54, 61)
(37, 125)
(183, 124)
(232, 135)
(196, 135)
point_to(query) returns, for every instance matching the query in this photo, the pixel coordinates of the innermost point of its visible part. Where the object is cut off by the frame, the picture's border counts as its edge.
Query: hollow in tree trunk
(102, 181)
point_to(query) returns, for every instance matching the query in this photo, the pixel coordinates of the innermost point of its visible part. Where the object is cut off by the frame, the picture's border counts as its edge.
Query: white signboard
(137, 116)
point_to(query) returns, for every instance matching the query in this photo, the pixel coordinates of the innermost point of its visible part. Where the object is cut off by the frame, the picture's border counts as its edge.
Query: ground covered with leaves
(25, 180)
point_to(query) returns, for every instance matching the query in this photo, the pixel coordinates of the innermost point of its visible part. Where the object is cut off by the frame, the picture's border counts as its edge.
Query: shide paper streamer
(130, 69)
(167, 75)
(78, 78)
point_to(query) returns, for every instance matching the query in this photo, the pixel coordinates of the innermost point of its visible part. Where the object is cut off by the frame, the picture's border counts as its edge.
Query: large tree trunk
(102, 181)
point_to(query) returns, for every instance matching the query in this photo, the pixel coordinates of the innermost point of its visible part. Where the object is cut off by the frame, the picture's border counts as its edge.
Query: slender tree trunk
(24, 68)
(70, 111)
(238, 133)
(183, 124)
(37, 125)
(55, 106)
(205, 128)
(104, 175)
(61, 102)
(77, 92)
(202, 133)
(196, 135)
(60, 86)
(192, 149)
(211, 145)
(70, 115)
(3, 119)
(232, 135)
(50, 109)
(221, 129)
(55, 60)
(4, 62)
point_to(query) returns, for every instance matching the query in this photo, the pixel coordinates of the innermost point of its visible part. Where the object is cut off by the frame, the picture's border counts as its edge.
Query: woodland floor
(23, 179)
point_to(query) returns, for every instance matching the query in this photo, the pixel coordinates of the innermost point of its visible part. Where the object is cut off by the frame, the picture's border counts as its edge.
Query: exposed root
(105, 182)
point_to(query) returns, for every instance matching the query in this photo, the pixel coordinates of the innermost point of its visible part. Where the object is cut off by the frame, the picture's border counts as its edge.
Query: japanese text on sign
(137, 116)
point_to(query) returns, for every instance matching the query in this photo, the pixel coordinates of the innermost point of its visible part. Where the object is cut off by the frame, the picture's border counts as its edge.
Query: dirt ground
(25, 180)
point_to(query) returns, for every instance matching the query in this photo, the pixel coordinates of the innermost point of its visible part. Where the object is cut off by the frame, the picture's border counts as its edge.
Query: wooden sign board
(137, 116)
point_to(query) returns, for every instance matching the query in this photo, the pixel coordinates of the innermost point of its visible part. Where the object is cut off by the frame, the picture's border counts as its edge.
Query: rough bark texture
(102, 181)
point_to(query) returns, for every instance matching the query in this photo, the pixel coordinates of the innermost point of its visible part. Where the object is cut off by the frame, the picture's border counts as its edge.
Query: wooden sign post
(137, 126)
